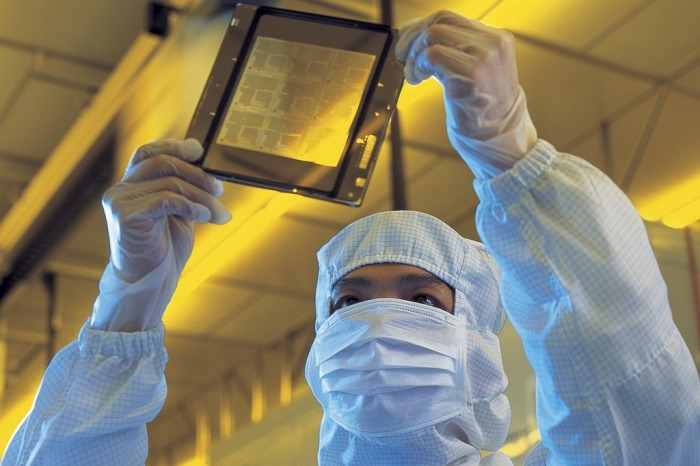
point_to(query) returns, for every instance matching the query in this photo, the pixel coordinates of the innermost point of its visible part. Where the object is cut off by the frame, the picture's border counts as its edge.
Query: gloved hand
(150, 216)
(487, 118)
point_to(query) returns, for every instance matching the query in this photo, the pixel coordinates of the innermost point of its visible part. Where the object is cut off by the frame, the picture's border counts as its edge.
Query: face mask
(388, 366)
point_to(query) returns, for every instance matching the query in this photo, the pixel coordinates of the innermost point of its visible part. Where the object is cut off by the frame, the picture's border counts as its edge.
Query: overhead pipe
(53, 319)
(642, 141)
(398, 183)
(607, 148)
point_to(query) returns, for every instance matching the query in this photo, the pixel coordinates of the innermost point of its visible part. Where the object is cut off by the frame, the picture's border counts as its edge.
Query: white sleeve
(616, 383)
(94, 401)
(131, 307)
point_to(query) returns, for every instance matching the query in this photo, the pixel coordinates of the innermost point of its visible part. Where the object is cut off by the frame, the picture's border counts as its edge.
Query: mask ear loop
(462, 362)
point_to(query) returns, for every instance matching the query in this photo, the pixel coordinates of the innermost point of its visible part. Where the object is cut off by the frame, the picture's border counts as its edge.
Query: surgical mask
(388, 366)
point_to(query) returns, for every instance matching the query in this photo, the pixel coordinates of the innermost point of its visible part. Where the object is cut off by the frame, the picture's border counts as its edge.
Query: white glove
(487, 118)
(150, 216)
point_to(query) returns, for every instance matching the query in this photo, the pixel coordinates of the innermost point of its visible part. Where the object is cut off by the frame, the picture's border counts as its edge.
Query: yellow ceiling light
(207, 262)
(676, 207)
(683, 216)
(218, 245)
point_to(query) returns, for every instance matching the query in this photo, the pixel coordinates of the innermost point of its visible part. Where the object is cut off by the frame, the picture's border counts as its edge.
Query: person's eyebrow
(423, 279)
(351, 282)
(411, 279)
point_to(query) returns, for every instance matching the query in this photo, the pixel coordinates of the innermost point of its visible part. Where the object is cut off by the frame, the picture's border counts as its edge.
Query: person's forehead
(382, 272)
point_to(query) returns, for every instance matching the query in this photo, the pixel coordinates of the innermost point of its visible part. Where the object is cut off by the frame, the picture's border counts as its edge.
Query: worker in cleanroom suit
(418, 380)
(406, 377)
(405, 356)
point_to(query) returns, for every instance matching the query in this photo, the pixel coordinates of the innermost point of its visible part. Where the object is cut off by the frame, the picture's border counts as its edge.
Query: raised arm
(615, 382)
(99, 392)
(150, 216)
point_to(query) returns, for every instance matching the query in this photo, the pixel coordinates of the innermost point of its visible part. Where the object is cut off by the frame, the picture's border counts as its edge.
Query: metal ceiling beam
(15, 169)
(49, 228)
(257, 391)
(584, 58)
(642, 142)
(47, 52)
(53, 187)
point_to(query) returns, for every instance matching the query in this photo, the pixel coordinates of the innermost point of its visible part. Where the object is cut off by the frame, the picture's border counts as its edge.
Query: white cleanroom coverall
(615, 382)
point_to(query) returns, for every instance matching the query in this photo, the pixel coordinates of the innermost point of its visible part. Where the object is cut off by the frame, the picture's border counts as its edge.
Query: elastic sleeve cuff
(128, 345)
(511, 183)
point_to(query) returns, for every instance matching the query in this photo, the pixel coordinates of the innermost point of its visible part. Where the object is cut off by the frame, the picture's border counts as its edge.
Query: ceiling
(617, 83)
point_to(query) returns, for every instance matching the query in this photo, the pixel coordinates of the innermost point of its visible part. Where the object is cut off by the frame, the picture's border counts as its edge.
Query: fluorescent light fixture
(677, 206)
(220, 245)
(207, 260)
(684, 215)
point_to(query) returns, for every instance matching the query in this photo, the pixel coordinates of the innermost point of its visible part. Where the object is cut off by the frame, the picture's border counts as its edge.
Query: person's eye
(427, 300)
(343, 302)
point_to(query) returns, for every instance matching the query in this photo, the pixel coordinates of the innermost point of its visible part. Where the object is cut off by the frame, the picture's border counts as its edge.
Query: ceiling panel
(671, 247)
(673, 154)
(658, 41)
(592, 149)
(691, 78)
(97, 31)
(16, 169)
(73, 296)
(572, 95)
(50, 108)
(187, 365)
(626, 131)
(423, 125)
(295, 266)
(442, 182)
(265, 318)
(70, 72)
(27, 315)
(409, 9)
(9, 193)
(26, 376)
(14, 66)
(610, 146)
(84, 249)
(573, 24)
(204, 310)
